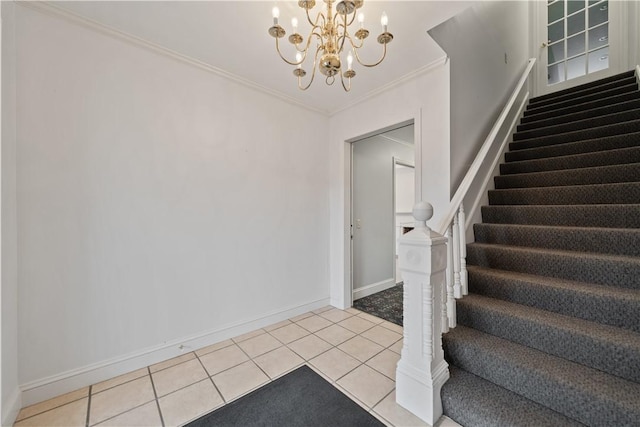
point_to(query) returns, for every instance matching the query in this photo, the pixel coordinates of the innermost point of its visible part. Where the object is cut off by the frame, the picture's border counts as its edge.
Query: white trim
(46, 388)
(373, 288)
(57, 11)
(638, 74)
(491, 172)
(407, 77)
(11, 407)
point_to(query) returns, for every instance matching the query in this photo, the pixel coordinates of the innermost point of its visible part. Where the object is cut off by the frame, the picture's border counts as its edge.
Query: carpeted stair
(549, 334)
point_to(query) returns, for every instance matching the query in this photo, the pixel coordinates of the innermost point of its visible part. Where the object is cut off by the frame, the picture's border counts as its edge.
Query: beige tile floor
(354, 351)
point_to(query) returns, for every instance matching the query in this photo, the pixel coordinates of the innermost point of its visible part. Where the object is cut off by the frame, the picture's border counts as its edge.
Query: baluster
(445, 318)
(463, 251)
(451, 301)
(457, 285)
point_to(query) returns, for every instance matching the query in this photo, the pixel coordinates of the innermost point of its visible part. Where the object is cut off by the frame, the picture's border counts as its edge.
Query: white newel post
(422, 370)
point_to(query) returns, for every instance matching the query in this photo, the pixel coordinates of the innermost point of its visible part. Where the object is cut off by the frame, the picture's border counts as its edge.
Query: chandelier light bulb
(294, 24)
(276, 14)
(361, 19)
(384, 20)
(299, 59)
(349, 60)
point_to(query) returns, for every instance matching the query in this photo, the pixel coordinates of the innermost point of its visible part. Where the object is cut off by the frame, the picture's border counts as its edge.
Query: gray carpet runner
(549, 334)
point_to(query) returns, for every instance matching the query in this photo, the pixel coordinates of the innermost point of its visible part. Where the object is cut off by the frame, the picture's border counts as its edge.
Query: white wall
(157, 202)
(424, 99)
(373, 211)
(10, 397)
(476, 42)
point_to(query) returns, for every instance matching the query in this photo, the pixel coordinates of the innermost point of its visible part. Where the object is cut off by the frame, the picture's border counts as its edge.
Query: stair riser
(602, 158)
(599, 83)
(571, 345)
(602, 102)
(621, 193)
(590, 123)
(620, 272)
(582, 115)
(616, 216)
(472, 401)
(613, 310)
(581, 147)
(596, 240)
(495, 364)
(585, 176)
(583, 100)
(581, 135)
(568, 97)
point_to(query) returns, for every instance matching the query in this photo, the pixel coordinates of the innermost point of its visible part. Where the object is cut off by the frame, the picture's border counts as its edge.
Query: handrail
(461, 192)
(638, 73)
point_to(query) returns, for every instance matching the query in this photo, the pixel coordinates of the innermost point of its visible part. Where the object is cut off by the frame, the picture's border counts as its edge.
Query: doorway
(581, 42)
(378, 163)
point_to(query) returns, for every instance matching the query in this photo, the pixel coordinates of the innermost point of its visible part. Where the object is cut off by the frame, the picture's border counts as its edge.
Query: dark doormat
(300, 398)
(386, 304)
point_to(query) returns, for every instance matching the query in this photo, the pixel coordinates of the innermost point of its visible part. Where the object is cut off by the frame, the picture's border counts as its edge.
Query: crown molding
(57, 11)
(425, 69)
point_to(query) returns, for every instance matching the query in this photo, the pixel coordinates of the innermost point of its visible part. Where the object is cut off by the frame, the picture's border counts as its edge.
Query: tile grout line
(224, 401)
(155, 394)
(88, 406)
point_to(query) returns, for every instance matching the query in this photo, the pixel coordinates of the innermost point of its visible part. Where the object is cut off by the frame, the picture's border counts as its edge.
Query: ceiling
(232, 36)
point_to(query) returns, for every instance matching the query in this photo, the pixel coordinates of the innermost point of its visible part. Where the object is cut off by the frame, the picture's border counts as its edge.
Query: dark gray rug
(386, 304)
(300, 398)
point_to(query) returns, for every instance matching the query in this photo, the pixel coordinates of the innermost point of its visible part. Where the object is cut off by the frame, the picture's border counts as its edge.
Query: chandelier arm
(306, 48)
(346, 89)
(354, 45)
(384, 54)
(313, 73)
(285, 59)
(320, 15)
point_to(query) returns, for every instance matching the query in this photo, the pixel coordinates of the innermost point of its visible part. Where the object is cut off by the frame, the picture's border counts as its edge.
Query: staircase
(549, 334)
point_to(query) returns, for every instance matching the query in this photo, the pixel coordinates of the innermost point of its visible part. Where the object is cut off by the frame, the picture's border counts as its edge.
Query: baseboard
(373, 288)
(11, 407)
(46, 388)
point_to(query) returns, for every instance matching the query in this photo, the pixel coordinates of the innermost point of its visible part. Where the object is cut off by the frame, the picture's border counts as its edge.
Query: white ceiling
(232, 36)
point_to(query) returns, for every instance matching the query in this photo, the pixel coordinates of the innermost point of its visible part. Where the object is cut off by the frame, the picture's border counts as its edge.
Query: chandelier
(331, 31)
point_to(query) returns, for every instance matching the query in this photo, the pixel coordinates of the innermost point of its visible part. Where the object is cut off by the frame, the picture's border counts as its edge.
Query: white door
(579, 41)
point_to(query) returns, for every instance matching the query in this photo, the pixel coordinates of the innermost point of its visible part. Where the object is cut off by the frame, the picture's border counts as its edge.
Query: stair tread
(583, 287)
(613, 129)
(617, 173)
(620, 241)
(558, 252)
(608, 348)
(575, 390)
(611, 99)
(610, 193)
(570, 117)
(578, 88)
(583, 100)
(577, 92)
(585, 146)
(471, 400)
(580, 125)
(577, 161)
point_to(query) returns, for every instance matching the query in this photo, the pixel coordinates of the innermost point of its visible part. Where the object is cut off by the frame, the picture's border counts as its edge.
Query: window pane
(576, 67)
(599, 36)
(556, 31)
(575, 23)
(574, 6)
(555, 52)
(576, 45)
(556, 11)
(555, 73)
(598, 14)
(599, 60)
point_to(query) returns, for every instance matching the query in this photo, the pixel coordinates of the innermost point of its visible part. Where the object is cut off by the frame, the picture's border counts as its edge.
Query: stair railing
(434, 271)
(454, 224)
(638, 74)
